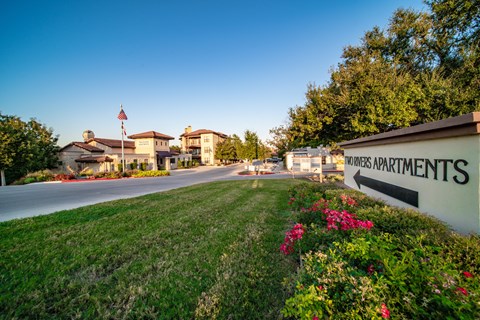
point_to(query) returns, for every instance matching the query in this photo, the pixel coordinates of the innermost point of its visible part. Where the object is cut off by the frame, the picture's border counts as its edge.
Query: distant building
(104, 155)
(201, 144)
(313, 159)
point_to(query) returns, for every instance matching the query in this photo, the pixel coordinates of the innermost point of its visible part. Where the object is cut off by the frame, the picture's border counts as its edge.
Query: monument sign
(432, 167)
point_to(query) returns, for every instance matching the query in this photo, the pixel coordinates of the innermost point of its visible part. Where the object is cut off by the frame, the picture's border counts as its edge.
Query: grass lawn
(206, 251)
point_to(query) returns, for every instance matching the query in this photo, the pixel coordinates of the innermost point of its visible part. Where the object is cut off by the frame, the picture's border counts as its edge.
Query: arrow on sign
(400, 193)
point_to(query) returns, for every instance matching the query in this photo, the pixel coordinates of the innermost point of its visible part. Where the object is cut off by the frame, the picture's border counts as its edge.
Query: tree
(250, 146)
(225, 150)
(175, 148)
(280, 139)
(25, 147)
(424, 66)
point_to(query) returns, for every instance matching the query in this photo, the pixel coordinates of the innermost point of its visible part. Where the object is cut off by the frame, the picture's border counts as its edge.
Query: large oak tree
(425, 66)
(25, 147)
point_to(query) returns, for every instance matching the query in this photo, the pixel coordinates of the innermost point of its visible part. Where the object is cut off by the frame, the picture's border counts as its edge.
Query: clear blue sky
(221, 65)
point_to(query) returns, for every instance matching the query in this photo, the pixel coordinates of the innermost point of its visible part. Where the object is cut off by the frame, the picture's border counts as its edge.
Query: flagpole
(123, 152)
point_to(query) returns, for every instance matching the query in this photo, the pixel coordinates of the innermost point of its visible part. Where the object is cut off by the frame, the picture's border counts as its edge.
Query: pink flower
(371, 269)
(315, 318)
(462, 291)
(385, 311)
(290, 238)
(467, 274)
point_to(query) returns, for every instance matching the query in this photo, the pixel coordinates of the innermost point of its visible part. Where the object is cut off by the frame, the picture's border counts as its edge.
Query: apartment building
(201, 144)
(104, 155)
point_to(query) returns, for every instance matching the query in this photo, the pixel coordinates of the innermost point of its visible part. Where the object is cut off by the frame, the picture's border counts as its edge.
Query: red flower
(462, 291)
(467, 274)
(371, 269)
(315, 318)
(385, 312)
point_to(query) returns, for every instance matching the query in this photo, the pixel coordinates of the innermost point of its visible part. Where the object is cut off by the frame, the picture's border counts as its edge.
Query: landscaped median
(49, 176)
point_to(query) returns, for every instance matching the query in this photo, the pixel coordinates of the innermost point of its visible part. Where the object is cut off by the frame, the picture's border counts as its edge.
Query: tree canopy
(233, 148)
(25, 147)
(424, 66)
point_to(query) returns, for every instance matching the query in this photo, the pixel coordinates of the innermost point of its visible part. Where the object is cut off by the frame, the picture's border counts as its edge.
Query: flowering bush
(63, 176)
(356, 266)
(291, 236)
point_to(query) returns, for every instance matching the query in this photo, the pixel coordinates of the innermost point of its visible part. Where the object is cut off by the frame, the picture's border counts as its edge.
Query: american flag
(122, 116)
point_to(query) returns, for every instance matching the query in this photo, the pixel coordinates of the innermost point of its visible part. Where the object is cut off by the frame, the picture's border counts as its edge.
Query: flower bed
(366, 260)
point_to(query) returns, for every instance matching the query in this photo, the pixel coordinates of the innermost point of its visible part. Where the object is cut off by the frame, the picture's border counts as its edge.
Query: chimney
(87, 135)
(188, 129)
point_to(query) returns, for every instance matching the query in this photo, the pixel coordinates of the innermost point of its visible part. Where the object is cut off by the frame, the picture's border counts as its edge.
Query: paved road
(44, 198)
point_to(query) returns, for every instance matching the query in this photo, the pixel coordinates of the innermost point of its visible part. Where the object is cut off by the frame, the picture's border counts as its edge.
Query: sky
(227, 66)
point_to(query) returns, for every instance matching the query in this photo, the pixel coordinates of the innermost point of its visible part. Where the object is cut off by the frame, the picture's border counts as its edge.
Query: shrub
(38, 176)
(86, 172)
(64, 176)
(29, 180)
(43, 175)
(151, 173)
(366, 260)
(143, 166)
(334, 178)
(108, 175)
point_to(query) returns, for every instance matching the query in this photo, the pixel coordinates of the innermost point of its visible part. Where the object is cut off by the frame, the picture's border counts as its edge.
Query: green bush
(407, 266)
(86, 172)
(38, 176)
(43, 175)
(108, 175)
(143, 166)
(151, 173)
(29, 180)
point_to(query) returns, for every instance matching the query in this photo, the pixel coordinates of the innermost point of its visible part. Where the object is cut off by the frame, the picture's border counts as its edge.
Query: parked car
(273, 160)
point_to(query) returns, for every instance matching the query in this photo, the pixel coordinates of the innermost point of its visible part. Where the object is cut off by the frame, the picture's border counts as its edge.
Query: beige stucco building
(201, 144)
(104, 155)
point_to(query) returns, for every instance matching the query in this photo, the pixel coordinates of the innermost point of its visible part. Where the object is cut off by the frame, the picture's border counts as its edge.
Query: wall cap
(467, 124)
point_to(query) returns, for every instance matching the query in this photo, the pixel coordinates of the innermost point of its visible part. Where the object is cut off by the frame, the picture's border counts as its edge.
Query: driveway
(44, 198)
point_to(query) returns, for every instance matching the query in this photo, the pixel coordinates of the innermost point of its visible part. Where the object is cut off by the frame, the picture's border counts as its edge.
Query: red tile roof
(151, 134)
(84, 146)
(202, 131)
(112, 143)
(94, 159)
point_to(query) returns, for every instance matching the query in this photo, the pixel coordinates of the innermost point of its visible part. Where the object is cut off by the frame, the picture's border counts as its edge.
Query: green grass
(206, 251)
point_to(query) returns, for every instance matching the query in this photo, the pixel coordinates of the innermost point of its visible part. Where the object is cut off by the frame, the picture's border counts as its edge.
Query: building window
(207, 160)
(206, 139)
(324, 160)
(206, 150)
(172, 160)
